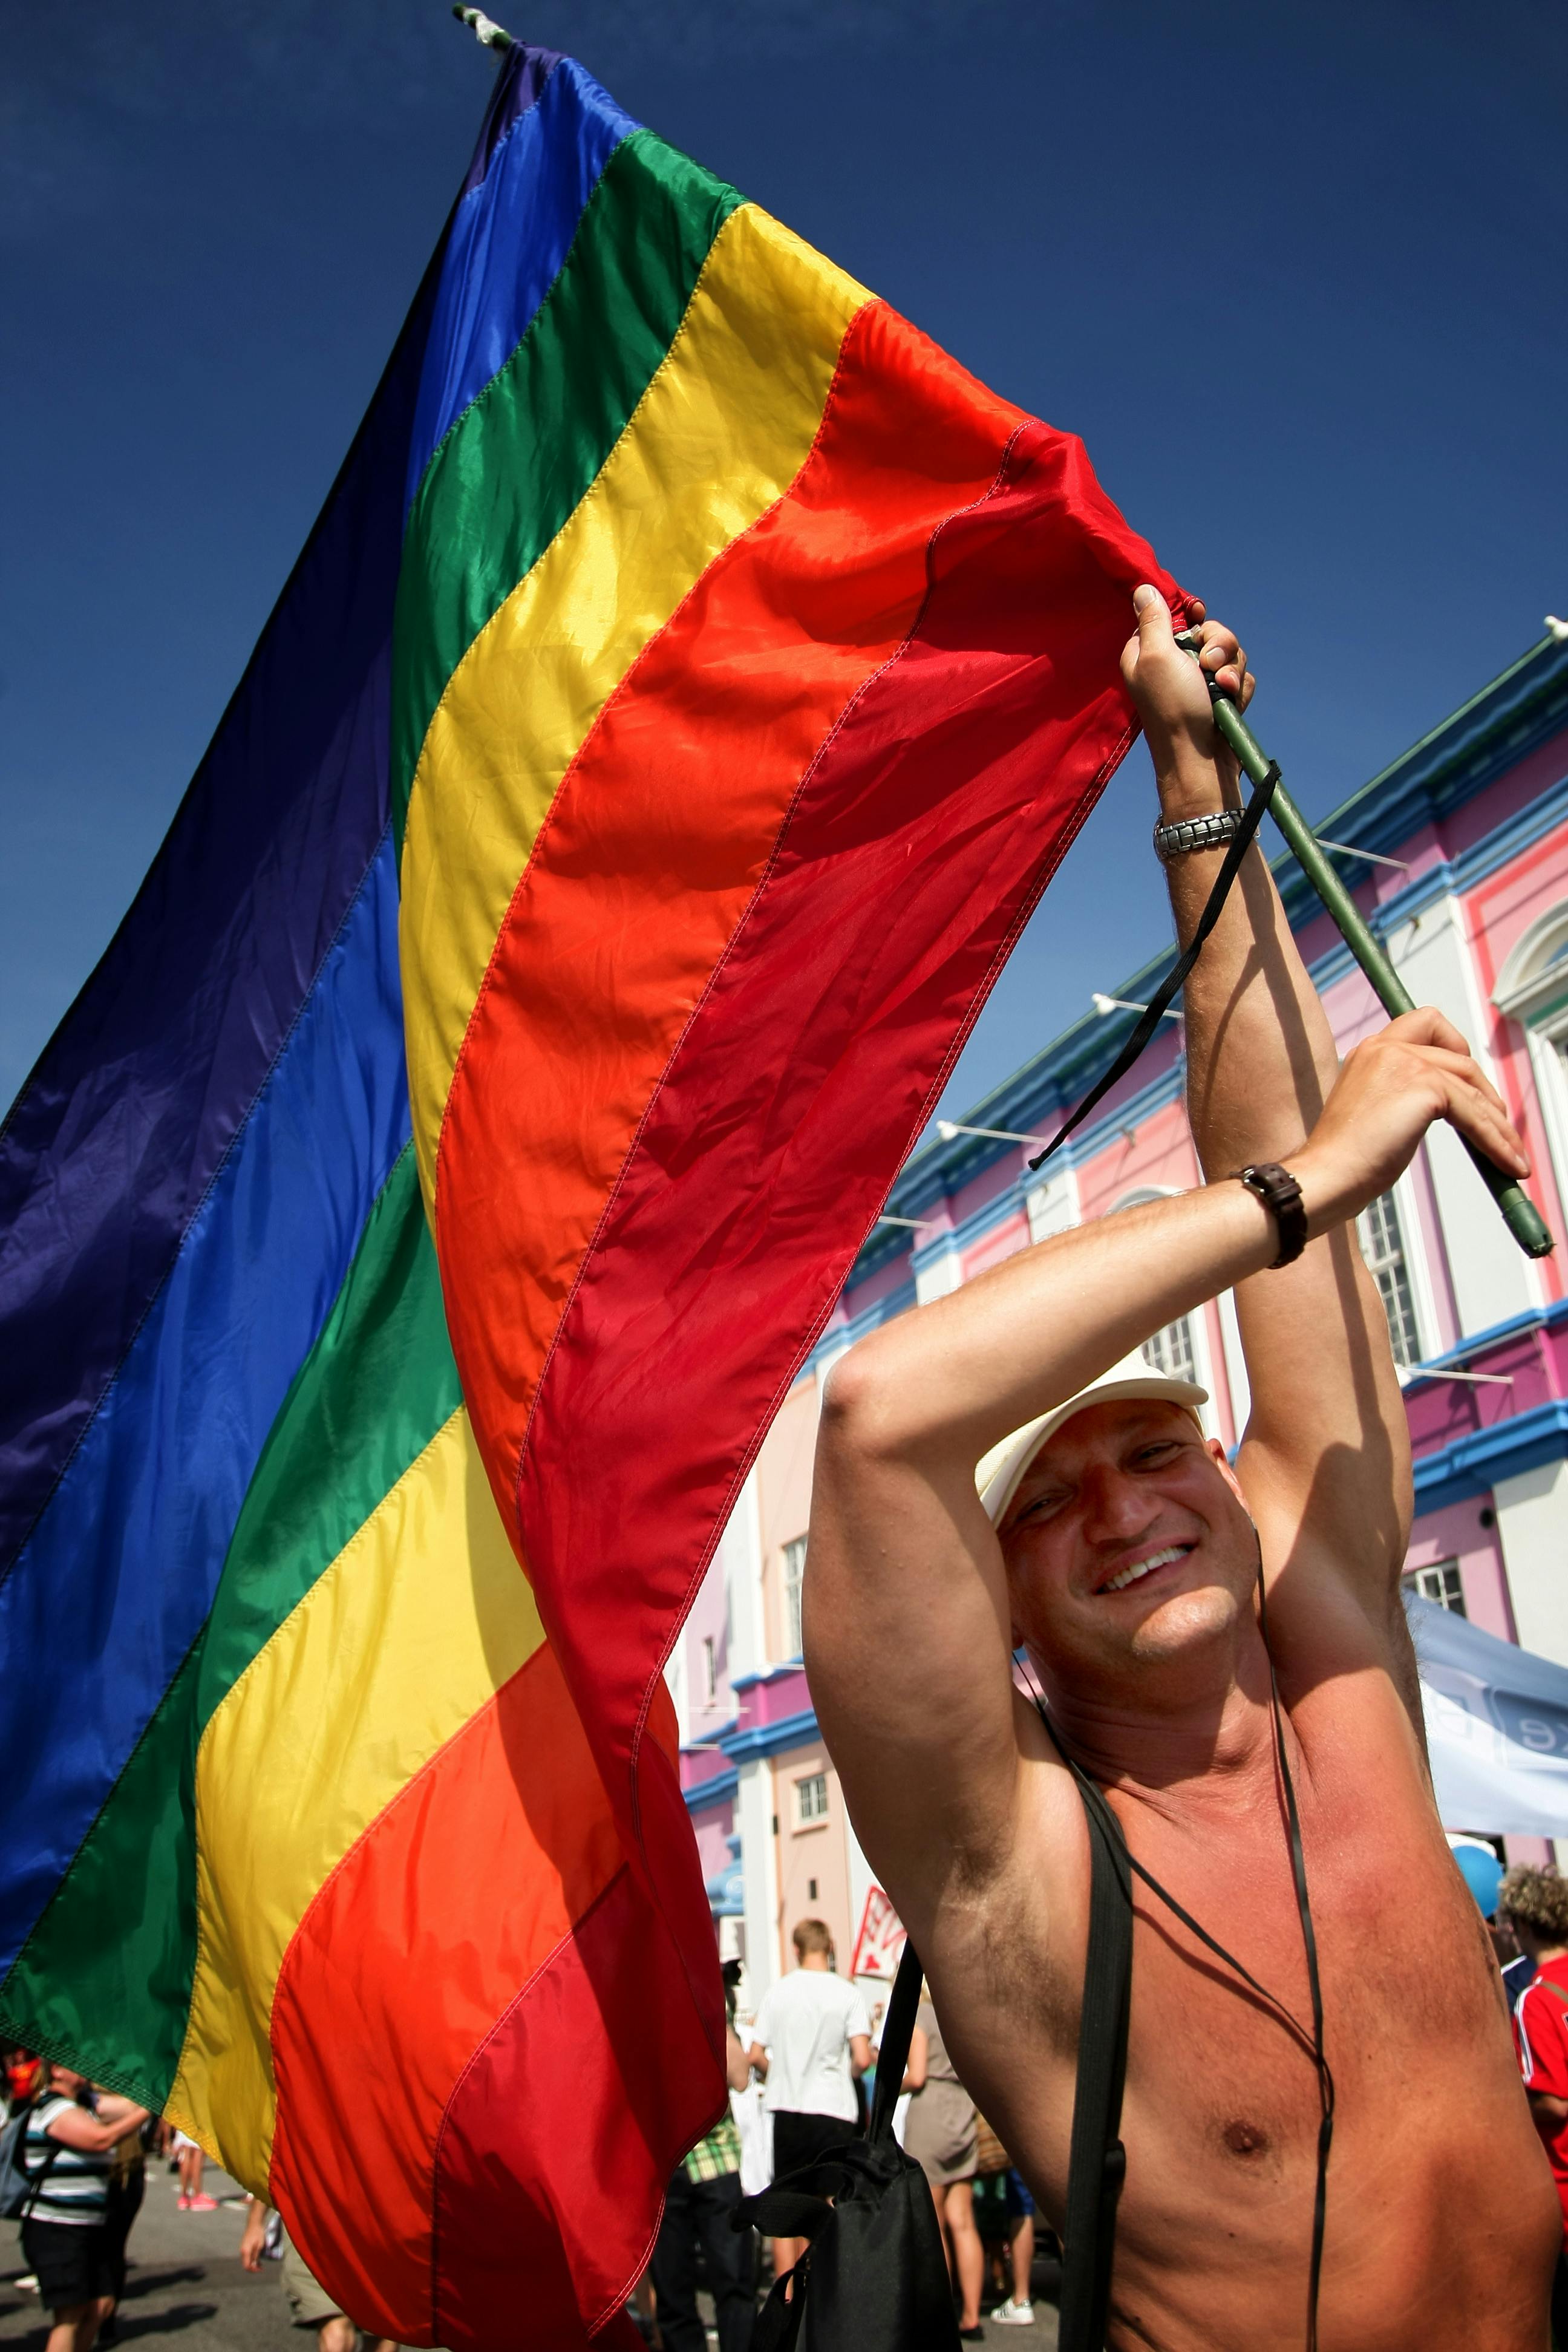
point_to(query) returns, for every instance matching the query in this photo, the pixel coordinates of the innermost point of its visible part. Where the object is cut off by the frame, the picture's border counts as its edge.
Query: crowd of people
(811, 2050)
(798, 2089)
(78, 2157)
(799, 2085)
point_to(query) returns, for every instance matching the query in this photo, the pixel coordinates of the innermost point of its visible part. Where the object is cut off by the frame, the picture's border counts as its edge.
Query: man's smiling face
(1127, 1545)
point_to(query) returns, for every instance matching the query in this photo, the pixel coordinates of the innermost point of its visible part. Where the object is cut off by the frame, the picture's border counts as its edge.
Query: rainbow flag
(689, 685)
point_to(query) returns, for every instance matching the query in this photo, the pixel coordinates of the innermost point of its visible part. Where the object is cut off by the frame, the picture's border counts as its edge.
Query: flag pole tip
(484, 28)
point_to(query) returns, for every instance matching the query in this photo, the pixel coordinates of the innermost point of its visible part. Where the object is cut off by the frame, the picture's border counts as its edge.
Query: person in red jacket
(1534, 1903)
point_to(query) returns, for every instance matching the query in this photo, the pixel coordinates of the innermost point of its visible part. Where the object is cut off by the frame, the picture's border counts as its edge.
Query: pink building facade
(1471, 901)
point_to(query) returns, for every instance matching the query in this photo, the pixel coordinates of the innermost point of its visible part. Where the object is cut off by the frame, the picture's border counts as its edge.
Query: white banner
(1496, 1727)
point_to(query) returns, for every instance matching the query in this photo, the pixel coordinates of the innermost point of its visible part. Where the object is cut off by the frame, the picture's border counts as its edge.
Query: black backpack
(874, 2276)
(20, 2189)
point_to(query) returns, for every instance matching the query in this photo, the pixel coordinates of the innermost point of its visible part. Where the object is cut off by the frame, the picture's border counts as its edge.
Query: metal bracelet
(1213, 830)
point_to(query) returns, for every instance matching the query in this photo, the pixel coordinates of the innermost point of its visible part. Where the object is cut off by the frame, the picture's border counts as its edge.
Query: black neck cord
(1309, 1939)
(1312, 2042)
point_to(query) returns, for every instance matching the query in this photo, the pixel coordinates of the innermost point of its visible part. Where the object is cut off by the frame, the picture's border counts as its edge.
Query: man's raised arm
(908, 1635)
(1326, 1456)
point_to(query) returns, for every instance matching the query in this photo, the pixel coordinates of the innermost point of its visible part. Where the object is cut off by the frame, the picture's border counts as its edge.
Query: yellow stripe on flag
(720, 435)
(422, 1617)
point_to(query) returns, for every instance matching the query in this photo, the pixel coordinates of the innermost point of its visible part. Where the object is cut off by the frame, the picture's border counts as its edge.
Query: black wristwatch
(1281, 1196)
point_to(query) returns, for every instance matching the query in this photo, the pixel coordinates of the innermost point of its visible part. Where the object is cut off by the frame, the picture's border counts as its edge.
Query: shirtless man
(1126, 1564)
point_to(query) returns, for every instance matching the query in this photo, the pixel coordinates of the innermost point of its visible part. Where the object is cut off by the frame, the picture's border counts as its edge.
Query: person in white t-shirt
(811, 2038)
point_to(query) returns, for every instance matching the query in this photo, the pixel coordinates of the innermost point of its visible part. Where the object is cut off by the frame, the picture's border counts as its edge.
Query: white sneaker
(1014, 2314)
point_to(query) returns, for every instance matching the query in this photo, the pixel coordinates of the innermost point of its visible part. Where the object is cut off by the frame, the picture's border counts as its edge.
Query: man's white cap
(1001, 1472)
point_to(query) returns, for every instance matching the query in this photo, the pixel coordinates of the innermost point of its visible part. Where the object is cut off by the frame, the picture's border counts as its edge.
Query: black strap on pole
(1175, 979)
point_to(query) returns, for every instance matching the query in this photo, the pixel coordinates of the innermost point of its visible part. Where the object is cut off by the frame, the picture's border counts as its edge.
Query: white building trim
(1491, 1278)
(1053, 1205)
(1532, 990)
(938, 1275)
(741, 1550)
(1531, 1518)
(755, 1811)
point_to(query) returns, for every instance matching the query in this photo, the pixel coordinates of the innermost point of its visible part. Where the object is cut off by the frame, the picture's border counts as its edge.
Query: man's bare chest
(1223, 2090)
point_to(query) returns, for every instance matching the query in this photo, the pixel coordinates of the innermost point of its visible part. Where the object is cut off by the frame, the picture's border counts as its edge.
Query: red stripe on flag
(554, 2123)
(772, 976)
(659, 835)
(463, 1891)
(908, 863)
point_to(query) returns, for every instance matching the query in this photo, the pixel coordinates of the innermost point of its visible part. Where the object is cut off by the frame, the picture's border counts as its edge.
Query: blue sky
(1295, 274)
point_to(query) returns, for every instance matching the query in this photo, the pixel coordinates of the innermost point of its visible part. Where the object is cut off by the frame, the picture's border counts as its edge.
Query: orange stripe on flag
(660, 834)
(453, 1898)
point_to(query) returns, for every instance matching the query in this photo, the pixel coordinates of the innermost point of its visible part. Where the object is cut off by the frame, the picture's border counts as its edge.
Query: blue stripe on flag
(509, 238)
(117, 1578)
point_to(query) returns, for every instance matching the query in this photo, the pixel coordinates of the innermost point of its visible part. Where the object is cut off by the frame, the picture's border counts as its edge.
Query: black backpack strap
(1097, 2162)
(36, 2180)
(898, 2028)
(873, 2277)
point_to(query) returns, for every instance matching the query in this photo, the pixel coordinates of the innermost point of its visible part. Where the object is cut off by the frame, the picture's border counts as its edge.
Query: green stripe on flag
(104, 1979)
(526, 452)
(106, 1974)
(370, 1396)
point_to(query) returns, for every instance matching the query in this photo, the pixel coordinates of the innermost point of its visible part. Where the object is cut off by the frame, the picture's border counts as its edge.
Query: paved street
(185, 2281)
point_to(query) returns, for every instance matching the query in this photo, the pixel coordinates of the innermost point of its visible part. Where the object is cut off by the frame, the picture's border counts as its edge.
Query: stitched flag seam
(617, 693)
(636, 1138)
(786, 1380)
(494, 617)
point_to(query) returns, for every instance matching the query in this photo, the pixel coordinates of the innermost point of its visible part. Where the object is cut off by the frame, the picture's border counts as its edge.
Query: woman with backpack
(67, 2156)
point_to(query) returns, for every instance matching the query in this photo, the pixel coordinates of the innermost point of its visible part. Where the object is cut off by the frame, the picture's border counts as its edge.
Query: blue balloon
(1482, 1873)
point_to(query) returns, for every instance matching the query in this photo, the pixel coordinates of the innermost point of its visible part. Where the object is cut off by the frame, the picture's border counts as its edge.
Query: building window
(793, 1572)
(1170, 1351)
(811, 1799)
(1532, 989)
(1439, 1583)
(709, 1671)
(1383, 1248)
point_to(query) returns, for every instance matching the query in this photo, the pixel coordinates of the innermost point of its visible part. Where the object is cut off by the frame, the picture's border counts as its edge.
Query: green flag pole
(483, 28)
(1520, 1213)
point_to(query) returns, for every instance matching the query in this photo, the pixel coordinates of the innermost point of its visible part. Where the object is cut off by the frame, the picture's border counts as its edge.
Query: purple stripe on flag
(115, 1140)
